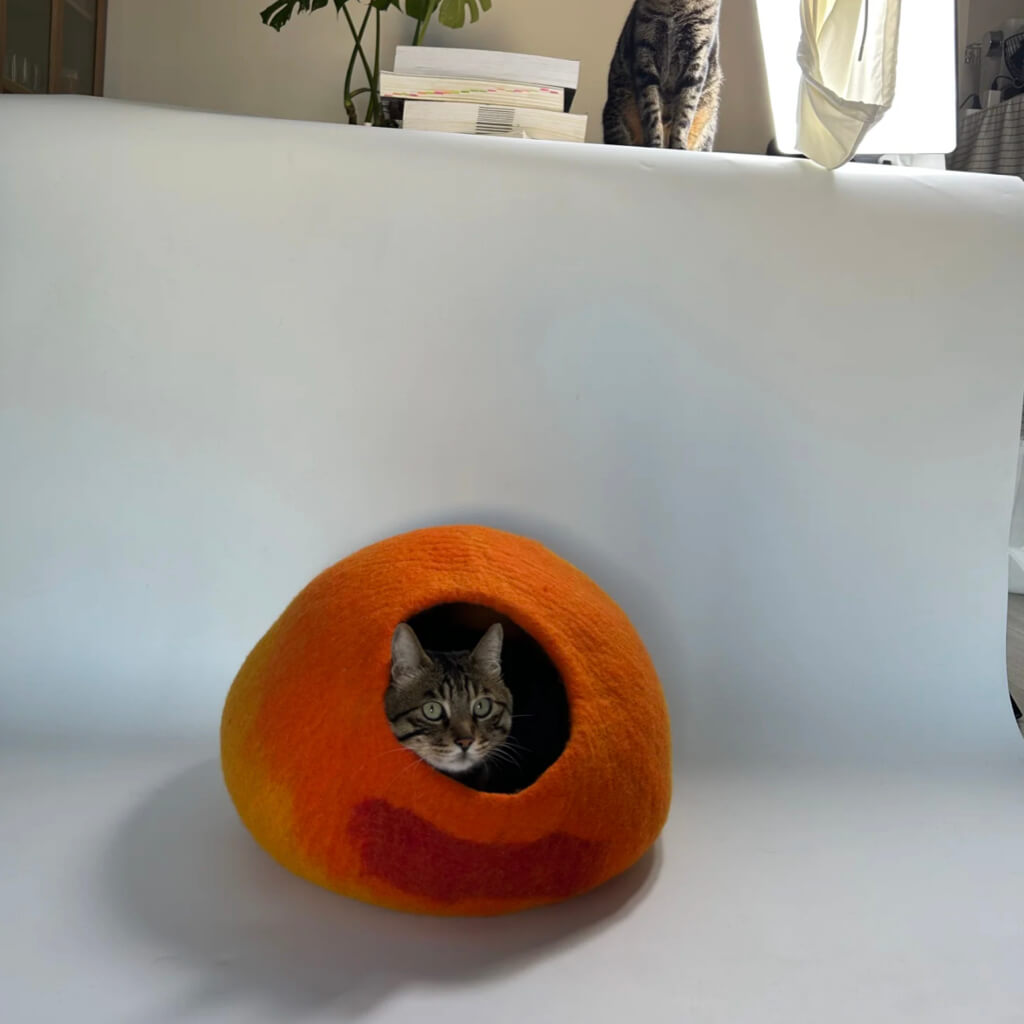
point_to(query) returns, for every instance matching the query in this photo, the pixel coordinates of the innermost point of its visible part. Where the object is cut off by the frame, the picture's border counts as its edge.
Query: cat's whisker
(398, 775)
(501, 754)
(390, 753)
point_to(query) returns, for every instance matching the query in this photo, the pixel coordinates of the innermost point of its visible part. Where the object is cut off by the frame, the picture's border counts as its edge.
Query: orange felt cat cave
(318, 778)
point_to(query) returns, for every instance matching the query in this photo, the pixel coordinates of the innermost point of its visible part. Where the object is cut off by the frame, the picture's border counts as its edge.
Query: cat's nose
(465, 742)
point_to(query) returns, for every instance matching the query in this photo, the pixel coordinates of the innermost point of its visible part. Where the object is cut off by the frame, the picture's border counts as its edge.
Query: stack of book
(480, 92)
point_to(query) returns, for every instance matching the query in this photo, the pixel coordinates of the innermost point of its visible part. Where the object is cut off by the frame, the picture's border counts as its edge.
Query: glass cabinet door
(26, 45)
(75, 71)
(52, 45)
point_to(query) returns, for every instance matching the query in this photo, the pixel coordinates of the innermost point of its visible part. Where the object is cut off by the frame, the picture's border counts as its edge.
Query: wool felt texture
(322, 784)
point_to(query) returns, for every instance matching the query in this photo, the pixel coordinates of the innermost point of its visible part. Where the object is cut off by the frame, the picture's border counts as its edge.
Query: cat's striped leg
(651, 118)
(621, 118)
(701, 40)
(648, 92)
(691, 88)
(702, 134)
(705, 122)
(707, 135)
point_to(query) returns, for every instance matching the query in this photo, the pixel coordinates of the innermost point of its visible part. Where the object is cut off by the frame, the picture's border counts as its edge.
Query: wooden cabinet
(52, 46)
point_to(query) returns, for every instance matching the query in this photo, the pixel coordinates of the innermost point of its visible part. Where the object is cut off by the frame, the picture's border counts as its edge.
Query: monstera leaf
(453, 12)
(419, 9)
(279, 13)
(449, 12)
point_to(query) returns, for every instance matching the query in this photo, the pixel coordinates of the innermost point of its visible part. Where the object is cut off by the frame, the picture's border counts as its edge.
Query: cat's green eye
(432, 711)
(482, 708)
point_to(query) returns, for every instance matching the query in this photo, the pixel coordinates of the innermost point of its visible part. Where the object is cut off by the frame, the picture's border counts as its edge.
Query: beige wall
(217, 55)
(974, 19)
(989, 14)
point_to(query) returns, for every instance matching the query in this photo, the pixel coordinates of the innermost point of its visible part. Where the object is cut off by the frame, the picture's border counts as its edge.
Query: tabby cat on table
(665, 79)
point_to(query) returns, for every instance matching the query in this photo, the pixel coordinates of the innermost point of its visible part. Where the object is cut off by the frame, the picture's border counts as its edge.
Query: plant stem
(357, 35)
(424, 22)
(350, 107)
(375, 102)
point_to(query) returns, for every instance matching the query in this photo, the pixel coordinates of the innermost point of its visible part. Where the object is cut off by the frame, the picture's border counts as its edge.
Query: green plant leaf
(453, 12)
(450, 12)
(279, 13)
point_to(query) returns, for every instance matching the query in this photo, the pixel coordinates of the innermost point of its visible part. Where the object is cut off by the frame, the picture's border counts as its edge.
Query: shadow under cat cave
(540, 713)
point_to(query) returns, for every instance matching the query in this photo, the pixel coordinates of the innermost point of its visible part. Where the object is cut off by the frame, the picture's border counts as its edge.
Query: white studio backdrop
(1017, 530)
(748, 396)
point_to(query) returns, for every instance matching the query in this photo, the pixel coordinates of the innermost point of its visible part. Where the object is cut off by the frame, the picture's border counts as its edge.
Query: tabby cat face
(452, 708)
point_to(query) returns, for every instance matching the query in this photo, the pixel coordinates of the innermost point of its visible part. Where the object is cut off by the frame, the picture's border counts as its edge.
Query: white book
(482, 119)
(489, 65)
(465, 90)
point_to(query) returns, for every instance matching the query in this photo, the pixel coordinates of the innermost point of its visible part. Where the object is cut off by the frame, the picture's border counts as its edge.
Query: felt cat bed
(319, 779)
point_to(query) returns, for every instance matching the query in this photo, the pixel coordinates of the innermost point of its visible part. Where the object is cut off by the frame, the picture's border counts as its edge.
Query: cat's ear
(408, 658)
(487, 653)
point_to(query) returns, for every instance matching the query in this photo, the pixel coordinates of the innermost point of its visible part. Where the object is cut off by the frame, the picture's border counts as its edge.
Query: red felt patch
(415, 856)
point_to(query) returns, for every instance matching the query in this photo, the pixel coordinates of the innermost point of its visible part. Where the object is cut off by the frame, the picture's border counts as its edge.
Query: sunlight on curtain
(922, 117)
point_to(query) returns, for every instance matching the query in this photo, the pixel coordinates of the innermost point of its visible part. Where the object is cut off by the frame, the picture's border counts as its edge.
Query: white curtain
(847, 56)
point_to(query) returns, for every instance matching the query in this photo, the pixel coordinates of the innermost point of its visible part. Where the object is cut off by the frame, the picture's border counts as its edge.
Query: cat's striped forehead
(452, 678)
